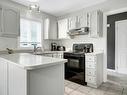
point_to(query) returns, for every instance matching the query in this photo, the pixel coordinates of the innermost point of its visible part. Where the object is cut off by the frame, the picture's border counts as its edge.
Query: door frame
(121, 10)
(116, 45)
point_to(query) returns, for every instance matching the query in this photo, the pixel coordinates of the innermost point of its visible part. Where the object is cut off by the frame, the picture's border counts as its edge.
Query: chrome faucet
(35, 48)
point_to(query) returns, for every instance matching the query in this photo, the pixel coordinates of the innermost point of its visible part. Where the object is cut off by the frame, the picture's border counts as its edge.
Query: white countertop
(30, 61)
(94, 53)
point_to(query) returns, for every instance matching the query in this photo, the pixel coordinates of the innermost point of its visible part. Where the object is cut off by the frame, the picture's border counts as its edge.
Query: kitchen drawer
(55, 55)
(48, 55)
(91, 79)
(91, 72)
(90, 58)
(90, 64)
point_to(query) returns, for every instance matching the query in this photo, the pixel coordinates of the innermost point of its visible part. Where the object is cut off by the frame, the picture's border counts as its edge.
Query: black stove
(75, 67)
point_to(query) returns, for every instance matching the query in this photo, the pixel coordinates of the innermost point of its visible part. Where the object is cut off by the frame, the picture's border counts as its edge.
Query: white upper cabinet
(96, 24)
(82, 20)
(46, 28)
(63, 29)
(78, 21)
(50, 29)
(72, 23)
(11, 22)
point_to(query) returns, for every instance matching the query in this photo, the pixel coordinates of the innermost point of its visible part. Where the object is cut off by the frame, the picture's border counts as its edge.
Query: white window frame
(36, 20)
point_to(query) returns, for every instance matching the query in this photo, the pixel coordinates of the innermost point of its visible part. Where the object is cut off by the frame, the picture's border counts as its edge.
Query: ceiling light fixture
(34, 6)
(33, 1)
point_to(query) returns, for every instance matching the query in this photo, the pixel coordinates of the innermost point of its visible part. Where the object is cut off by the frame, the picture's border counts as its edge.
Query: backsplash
(8, 42)
(99, 43)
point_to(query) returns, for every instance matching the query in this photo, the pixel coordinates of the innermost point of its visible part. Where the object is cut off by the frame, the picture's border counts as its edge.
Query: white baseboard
(111, 72)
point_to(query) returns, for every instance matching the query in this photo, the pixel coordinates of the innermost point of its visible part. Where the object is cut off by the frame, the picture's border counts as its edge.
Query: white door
(121, 46)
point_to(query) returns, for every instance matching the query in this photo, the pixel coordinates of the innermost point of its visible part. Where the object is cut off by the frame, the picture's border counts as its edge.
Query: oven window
(74, 63)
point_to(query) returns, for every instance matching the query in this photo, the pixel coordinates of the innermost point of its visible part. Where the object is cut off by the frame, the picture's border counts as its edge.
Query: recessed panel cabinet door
(3, 77)
(11, 21)
(96, 24)
(72, 23)
(82, 21)
(63, 29)
(50, 29)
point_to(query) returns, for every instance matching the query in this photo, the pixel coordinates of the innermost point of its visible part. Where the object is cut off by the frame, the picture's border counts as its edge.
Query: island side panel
(3, 78)
(17, 80)
(47, 81)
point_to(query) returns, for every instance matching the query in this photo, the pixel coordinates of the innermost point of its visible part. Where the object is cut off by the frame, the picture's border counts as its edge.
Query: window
(30, 33)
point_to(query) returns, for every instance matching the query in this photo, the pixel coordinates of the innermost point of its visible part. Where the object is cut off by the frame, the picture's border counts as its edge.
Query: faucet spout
(35, 48)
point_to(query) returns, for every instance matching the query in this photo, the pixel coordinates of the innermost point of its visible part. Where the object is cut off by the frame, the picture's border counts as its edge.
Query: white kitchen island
(27, 74)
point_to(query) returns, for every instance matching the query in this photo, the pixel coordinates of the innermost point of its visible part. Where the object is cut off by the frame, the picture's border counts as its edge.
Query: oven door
(75, 69)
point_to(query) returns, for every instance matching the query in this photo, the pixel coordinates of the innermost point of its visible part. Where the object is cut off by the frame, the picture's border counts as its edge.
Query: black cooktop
(81, 48)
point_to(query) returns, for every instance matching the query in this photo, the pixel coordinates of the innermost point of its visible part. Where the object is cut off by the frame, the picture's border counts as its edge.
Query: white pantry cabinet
(10, 22)
(3, 78)
(96, 24)
(94, 69)
(63, 29)
(50, 29)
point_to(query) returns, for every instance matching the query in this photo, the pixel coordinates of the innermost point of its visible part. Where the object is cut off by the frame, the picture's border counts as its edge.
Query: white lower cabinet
(55, 55)
(12, 79)
(94, 69)
(15, 80)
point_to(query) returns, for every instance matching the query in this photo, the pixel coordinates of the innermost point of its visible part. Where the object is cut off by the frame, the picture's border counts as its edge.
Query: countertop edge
(35, 66)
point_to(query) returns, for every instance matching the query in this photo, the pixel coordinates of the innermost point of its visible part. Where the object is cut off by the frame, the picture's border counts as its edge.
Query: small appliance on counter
(75, 67)
(61, 48)
(53, 47)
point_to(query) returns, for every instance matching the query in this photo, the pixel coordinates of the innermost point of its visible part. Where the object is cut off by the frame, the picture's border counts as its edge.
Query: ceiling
(61, 7)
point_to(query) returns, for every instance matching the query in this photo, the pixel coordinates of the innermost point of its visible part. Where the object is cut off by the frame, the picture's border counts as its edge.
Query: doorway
(116, 48)
(121, 46)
